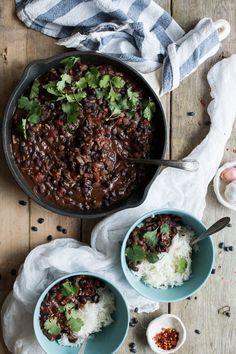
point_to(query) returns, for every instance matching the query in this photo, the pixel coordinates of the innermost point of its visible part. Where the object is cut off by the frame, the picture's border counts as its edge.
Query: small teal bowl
(202, 263)
(107, 341)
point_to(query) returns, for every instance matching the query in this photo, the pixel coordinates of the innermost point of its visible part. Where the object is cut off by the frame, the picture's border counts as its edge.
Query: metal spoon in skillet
(187, 165)
(217, 226)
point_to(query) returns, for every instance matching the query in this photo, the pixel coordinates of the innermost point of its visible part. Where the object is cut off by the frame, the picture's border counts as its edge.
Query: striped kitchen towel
(138, 32)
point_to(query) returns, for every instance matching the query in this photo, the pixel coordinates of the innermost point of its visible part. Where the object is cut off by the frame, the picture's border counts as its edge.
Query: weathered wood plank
(216, 335)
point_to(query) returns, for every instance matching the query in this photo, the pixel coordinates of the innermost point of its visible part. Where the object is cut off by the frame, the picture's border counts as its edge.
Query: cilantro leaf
(133, 97)
(69, 289)
(100, 93)
(34, 93)
(181, 265)
(105, 81)
(70, 110)
(151, 237)
(81, 83)
(92, 77)
(112, 96)
(65, 78)
(51, 88)
(165, 228)
(75, 324)
(33, 117)
(117, 81)
(152, 257)
(135, 253)
(52, 326)
(70, 62)
(25, 103)
(149, 110)
(22, 127)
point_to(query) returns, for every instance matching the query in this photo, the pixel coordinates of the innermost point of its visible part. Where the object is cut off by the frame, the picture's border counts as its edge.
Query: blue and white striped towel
(139, 32)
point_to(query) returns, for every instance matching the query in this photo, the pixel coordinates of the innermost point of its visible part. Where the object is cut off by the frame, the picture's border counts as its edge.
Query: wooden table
(19, 46)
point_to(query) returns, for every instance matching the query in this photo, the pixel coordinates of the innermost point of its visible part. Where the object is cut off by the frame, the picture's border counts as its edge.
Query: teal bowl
(106, 342)
(202, 263)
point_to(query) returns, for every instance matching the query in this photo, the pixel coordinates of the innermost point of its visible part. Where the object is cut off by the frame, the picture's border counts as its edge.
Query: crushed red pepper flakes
(166, 339)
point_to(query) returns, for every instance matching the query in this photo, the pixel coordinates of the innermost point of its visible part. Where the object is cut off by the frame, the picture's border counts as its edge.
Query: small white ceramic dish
(165, 321)
(219, 186)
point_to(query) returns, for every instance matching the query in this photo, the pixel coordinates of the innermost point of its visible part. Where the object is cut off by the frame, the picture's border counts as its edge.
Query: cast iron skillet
(38, 68)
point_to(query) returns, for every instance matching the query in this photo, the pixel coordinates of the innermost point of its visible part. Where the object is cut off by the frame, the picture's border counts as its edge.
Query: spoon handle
(217, 226)
(83, 347)
(187, 165)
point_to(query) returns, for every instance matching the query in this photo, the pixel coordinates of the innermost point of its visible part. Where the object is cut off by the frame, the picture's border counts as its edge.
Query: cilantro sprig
(151, 237)
(70, 62)
(72, 316)
(181, 265)
(69, 289)
(52, 326)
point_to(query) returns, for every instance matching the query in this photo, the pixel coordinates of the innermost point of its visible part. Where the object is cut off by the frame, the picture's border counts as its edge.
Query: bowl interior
(40, 67)
(107, 341)
(202, 263)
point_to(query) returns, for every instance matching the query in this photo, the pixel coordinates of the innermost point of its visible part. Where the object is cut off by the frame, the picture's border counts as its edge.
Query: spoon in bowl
(187, 165)
(217, 226)
(83, 346)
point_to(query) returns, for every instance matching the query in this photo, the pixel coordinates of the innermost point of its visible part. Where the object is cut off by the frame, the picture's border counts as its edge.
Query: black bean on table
(197, 331)
(40, 220)
(34, 228)
(49, 238)
(22, 202)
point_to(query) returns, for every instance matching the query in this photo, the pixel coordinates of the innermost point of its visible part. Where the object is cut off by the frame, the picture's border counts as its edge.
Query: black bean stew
(72, 130)
(59, 309)
(151, 238)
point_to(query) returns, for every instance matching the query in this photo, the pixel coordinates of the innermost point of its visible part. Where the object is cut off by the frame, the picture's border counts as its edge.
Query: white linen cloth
(172, 188)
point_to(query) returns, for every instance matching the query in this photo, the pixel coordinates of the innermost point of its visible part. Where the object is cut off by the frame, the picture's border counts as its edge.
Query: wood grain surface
(19, 46)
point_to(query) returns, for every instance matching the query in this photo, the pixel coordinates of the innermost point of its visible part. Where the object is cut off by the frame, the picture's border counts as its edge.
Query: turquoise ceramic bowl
(106, 342)
(202, 263)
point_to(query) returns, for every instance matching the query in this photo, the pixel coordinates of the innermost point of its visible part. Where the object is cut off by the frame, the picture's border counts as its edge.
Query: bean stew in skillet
(74, 127)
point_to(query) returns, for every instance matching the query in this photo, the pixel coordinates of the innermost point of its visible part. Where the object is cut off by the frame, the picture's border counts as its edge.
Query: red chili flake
(167, 339)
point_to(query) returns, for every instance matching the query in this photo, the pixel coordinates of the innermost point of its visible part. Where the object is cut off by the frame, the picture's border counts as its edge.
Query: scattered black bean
(231, 248)
(59, 228)
(64, 231)
(195, 297)
(133, 350)
(131, 324)
(132, 345)
(221, 245)
(136, 309)
(227, 314)
(191, 114)
(197, 331)
(226, 249)
(49, 238)
(34, 228)
(213, 271)
(189, 298)
(13, 272)
(22, 202)
(40, 220)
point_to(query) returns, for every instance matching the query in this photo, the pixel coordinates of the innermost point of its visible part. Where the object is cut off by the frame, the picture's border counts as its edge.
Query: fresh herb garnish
(133, 97)
(52, 326)
(51, 88)
(152, 257)
(135, 253)
(22, 127)
(69, 289)
(34, 93)
(75, 324)
(70, 62)
(151, 237)
(181, 265)
(105, 81)
(117, 81)
(33, 108)
(150, 108)
(65, 79)
(92, 77)
(165, 229)
(80, 84)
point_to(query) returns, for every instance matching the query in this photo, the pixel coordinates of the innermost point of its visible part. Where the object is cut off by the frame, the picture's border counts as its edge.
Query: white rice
(163, 274)
(94, 316)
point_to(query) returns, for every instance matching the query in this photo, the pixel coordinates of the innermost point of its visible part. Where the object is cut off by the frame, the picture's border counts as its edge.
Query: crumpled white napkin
(172, 188)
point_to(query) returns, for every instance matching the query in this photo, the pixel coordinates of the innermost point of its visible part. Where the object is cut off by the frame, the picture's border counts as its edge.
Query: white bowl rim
(216, 185)
(166, 315)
